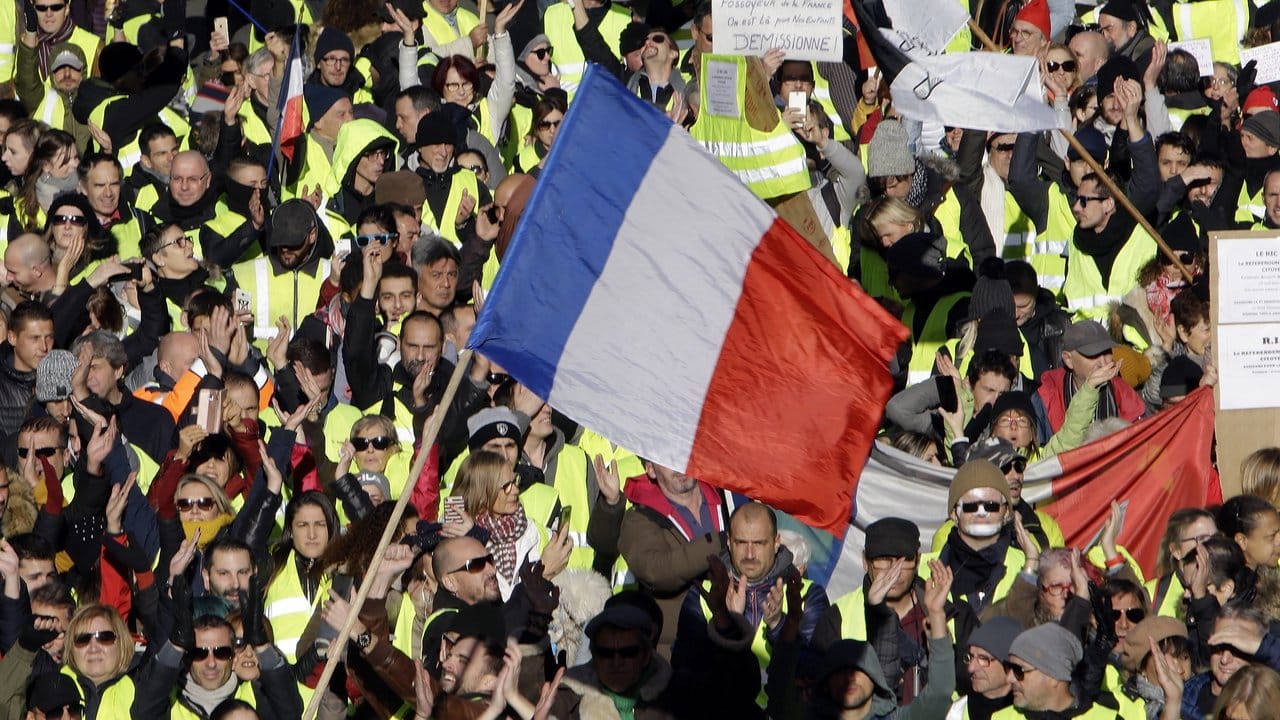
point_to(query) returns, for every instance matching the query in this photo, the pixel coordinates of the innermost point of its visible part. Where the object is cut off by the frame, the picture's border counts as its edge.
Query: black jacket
(17, 393)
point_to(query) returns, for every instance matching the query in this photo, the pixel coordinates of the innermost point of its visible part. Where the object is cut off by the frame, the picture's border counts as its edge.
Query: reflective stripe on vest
(1086, 296)
(295, 302)
(770, 163)
(1250, 208)
(934, 334)
(50, 110)
(1223, 22)
(822, 93)
(1019, 231)
(287, 607)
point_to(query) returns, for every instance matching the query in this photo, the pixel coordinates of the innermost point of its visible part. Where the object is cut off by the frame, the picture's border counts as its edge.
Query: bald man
(464, 568)
(1090, 51)
(190, 201)
(28, 267)
(176, 377)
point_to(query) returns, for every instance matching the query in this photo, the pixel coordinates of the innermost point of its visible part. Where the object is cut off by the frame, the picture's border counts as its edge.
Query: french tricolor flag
(650, 296)
(290, 128)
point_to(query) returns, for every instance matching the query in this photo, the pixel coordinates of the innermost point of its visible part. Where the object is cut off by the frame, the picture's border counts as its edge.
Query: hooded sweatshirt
(930, 704)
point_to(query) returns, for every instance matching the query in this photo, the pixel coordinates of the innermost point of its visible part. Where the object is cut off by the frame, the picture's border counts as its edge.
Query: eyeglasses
(626, 652)
(1134, 615)
(102, 637)
(1065, 65)
(363, 241)
(1084, 200)
(381, 442)
(77, 220)
(336, 61)
(51, 8)
(1056, 589)
(44, 452)
(1019, 672)
(1002, 147)
(542, 53)
(183, 180)
(509, 485)
(1217, 82)
(1018, 465)
(1185, 258)
(204, 503)
(379, 153)
(548, 124)
(989, 506)
(982, 660)
(222, 652)
(182, 240)
(72, 711)
(1010, 421)
(475, 565)
(458, 86)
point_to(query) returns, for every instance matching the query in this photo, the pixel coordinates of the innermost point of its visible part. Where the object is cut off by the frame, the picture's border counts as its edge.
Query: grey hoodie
(932, 702)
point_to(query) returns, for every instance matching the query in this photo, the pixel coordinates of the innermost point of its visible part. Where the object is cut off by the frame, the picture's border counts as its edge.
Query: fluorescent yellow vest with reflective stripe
(445, 226)
(114, 702)
(1178, 116)
(287, 607)
(1171, 602)
(1224, 22)
(822, 93)
(252, 127)
(292, 294)
(337, 430)
(179, 711)
(1054, 244)
(442, 31)
(8, 40)
(1251, 208)
(873, 274)
(557, 23)
(770, 163)
(51, 111)
(948, 216)
(1087, 298)
(89, 43)
(924, 349)
(570, 483)
(1019, 231)
(1014, 560)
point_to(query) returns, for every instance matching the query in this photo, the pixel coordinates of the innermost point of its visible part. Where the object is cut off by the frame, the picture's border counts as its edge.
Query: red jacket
(1127, 399)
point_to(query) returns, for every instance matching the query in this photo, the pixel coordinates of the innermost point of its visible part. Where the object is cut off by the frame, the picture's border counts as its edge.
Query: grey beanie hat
(1265, 126)
(1049, 648)
(370, 477)
(53, 376)
(887, 153)
(996, 635)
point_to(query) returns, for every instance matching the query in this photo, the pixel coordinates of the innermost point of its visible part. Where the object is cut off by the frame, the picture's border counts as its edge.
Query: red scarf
(504, 532)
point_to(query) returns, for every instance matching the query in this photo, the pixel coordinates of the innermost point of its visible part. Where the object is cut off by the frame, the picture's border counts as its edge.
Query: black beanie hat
(1118, 66)
(332, 39)
(892, 537)
(997, 330)
(436, 128)
(1013, 400)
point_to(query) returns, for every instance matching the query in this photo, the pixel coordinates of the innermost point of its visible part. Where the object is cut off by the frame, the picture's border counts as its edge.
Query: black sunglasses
(542, 53)
(1019, 672)
(475, 565)
(1018, 464)
(381, 442)
(657, 38)
(43, 452)
(77, 220)
(104, 637)
(50, 8)
(548, 124)
(1185, 258)
(1084, 200)
(205, 503)
(222, 652)
(363, 241)
(1224, 648)
(72, 710)
(626, 652)
(987, 505)
(1135, 615)
(1068, 65)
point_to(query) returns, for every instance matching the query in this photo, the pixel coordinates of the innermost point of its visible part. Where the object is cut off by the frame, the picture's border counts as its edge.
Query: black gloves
(251, 616)
(183, 634)
(353, 497)
(33, 638)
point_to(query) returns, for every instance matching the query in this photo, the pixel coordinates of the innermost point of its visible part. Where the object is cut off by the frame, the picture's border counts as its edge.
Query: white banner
(976, 91)
(1268, 57)
(925, 25)
(805, 29)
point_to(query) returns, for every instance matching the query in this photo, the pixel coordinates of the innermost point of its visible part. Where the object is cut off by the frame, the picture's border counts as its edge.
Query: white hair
(799, 548)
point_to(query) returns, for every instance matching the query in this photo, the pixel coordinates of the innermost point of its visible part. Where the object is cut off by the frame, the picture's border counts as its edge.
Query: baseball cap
(1088, 338)
(291, 223)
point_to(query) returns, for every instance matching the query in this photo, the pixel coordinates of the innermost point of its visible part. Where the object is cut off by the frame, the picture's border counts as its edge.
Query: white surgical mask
(982, 530)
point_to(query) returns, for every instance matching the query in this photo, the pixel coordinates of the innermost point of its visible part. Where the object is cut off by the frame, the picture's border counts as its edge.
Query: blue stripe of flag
(579, 205)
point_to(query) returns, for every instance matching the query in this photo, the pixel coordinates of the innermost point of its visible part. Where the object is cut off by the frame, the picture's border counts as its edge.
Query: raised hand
(773, 605)
(117, 502)
(607, 479)
(884, 581)
(275, 480)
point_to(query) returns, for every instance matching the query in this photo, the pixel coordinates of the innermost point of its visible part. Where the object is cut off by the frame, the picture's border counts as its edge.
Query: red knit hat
(1260, 99)
(1036, 12)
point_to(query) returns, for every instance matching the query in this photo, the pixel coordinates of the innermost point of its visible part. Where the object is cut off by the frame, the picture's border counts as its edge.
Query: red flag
(1157, 465)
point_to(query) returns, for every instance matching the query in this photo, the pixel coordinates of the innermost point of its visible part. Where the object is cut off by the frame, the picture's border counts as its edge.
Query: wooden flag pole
(339, 643)
(1106, 180)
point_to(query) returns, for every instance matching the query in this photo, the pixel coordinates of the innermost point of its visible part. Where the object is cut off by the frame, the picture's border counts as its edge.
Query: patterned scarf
(504, 531)
(1107, 406)
(46, 41)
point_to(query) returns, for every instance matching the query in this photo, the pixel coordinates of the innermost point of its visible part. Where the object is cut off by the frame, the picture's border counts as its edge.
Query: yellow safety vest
(1251, 208)
(770, 163)
(842, 246)
(444, 33)
(948, 216)
(444, 226)
(1014, 560)
(1095, 712)
(1087, 297)
(337, 430)
(115, 701)
(1178, 116)
(759, 643)
(1019, 231)
(8, 41)
(924, 348)
(89, 43)
(873, 274)
(1169, 603)
(1024, 360)
(822, 93)
(252, 128)
(287, 607)
(223, 224)
(315, 168)
(1054, 244)
(179, 710)
(1223, 22)
(292, 293)
(557, 24)
(128, 235)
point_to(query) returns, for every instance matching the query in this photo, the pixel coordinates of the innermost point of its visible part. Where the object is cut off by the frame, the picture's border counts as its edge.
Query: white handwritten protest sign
(926, 25)
(805, 29)
(1201, 49)
(1268, 57)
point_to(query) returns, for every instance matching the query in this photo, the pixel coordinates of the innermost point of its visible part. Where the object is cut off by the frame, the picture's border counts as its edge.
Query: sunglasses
(222, 652)
(44, 452)
(381, 442)
(626, 652)
(473, 168)
(1185, 258)
(77, 220)
(1219, 649)
(657, 38)
(1016, 464)
(542, 53)
(1019, 672)
(103, 637)
(1067, 65)
(475, 565)
(1134, 615)
(50, 8)
(1084, 200)
(72, 711)
(204, 503)
(548, 124)
(985, 505)
(796, 79)
(363, 241)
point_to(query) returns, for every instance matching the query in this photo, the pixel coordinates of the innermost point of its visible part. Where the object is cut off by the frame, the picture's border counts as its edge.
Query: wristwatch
(363, 640)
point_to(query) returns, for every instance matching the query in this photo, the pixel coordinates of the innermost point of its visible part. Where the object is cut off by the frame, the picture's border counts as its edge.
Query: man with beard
(406, 389)
(285, 282)
(452, 193)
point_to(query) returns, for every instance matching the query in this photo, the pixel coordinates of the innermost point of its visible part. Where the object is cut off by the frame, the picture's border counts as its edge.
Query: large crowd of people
(228, 348)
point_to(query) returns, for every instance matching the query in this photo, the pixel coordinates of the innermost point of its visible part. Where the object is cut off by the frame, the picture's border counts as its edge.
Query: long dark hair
(280, 553)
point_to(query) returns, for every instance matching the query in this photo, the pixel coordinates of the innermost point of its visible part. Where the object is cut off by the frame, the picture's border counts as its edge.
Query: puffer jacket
(17, 392)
